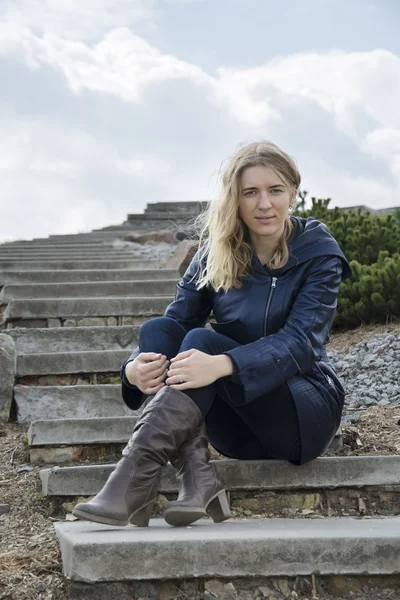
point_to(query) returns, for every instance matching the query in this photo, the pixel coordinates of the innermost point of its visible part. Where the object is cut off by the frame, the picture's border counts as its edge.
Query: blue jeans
(266, 427)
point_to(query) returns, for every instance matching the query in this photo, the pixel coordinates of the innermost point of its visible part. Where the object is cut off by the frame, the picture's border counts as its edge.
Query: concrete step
(103, 235)
(258, 548)
(113, 289)
(85, 275)
(50, 265)
(126, 250)
(59, 441)
(46, 243)
(74, 339)
(104, 439)
(73, 308)
(64, 363)
(246, 475)
(60, 402)
(68, 432)
(176, 213)
(168, 217)
(156, 206)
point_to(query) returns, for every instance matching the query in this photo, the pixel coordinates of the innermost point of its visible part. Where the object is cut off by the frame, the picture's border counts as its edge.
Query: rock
(282, 586)
(221, 591)
(181, 235)
(265, 591)
(363, 385)
(4, 509)
(152, 237)
(180, 259)
(8, 366)
(161, 500)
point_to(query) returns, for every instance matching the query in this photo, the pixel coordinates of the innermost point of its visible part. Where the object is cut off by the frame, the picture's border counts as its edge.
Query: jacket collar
(314, 239)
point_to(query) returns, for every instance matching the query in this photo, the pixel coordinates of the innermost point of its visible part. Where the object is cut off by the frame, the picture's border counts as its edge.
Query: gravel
(370, 373)
(147, 251)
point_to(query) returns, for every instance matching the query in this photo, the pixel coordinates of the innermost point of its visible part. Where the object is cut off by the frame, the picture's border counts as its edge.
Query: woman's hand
(197, 369)
(148, 372)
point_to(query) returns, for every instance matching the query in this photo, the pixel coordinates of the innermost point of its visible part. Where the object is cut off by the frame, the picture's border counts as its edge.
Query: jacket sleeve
(268, 362)
(191, 308)
(131, 394)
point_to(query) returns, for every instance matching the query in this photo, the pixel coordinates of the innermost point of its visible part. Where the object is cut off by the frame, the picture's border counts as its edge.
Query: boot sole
(184, 515)
(98, 519)
(140, 517)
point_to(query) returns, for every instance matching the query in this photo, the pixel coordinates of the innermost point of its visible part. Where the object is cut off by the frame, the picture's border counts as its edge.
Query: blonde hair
(224, 234)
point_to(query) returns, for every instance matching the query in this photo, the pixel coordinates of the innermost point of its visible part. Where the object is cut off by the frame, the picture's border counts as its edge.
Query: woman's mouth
(265, 218)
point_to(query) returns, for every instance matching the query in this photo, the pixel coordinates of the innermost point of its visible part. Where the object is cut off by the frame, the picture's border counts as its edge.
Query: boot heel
(141, 518)
(219, 508)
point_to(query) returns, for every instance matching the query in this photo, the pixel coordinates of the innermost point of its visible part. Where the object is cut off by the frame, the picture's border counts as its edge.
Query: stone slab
(181, 257)
(85, 275)
(8, 363)
(259, 547)
(50, 265)
(323, 472)
(110, 430)
(116, 289)
(64, 455)
(74, 339)
(63, 402)
(102, 430)
(86, 307)
(73, 254)
(63, 363)
(156, 206)
(161, 216)
(46, 243)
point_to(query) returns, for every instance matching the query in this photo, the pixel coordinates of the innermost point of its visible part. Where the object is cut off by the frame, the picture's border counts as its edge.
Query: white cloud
(44, 173)
(124, 65)
(384, 142)
(345, 189)
(91, 46)
(77, 19)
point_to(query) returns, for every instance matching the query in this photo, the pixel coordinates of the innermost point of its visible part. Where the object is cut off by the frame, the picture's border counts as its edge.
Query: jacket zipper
(273, 286)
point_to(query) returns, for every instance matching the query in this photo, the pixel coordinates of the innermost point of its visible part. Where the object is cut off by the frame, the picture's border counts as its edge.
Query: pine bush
(371, 245)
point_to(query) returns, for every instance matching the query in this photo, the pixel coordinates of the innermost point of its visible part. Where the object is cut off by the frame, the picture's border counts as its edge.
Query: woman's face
(264, 194)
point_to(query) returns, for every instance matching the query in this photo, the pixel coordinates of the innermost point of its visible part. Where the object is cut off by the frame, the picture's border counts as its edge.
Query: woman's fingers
(153, 390)
(156, 365)
(155, 380)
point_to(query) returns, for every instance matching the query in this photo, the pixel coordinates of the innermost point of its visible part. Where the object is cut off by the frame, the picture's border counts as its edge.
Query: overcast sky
(106, 105)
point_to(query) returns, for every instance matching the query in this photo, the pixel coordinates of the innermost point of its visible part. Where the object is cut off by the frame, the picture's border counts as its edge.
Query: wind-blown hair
(224, 234)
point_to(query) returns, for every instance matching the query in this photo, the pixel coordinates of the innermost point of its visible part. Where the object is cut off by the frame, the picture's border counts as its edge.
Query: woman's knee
(161, 335)
(163, 324)
(199, 338)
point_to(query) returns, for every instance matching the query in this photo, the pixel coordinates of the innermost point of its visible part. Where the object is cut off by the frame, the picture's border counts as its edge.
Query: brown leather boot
(200, 488)
(169, 419)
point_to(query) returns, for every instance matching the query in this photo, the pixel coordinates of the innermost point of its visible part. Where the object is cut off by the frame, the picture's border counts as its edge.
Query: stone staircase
(73, 306)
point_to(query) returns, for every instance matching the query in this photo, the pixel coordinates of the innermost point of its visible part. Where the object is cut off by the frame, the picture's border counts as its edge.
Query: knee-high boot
(167, 421)
(201, 490)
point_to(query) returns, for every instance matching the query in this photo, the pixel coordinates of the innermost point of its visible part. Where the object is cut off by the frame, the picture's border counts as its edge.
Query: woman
(258, 385)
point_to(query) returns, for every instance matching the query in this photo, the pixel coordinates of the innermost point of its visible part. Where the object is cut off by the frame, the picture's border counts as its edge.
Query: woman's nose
(263, 200)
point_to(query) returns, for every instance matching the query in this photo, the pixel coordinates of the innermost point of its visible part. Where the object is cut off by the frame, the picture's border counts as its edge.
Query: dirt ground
(30, 565)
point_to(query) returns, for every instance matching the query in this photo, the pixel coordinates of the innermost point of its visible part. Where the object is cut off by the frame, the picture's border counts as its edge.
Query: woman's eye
(249, 193)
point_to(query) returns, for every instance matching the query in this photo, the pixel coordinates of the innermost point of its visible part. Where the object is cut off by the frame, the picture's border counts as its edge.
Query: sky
(107, 105)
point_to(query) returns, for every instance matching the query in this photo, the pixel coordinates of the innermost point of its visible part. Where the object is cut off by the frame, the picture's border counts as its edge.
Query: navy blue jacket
(281, 316)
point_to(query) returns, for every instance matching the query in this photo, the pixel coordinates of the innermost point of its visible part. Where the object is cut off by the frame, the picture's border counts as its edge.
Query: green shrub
(371, 245)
